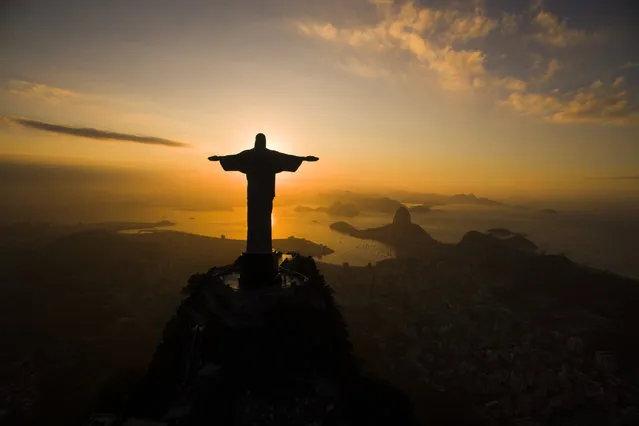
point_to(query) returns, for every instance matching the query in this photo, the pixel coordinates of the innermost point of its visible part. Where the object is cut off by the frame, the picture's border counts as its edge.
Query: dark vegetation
(286, 361)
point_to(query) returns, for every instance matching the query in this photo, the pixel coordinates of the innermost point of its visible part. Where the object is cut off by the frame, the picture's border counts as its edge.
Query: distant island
(351, 204)
(336, 209)
(503, 233)
(410, 240)
(472, 199)
(549, 212)
(406, 238)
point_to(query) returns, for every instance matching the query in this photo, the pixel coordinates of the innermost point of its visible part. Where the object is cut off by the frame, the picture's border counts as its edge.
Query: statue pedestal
(257, 269)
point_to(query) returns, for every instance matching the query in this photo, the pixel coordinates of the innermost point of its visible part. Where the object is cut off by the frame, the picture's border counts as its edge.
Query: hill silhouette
(410, 240)
(335, 209)
(383, 204)
(406, 238)
(472, 199)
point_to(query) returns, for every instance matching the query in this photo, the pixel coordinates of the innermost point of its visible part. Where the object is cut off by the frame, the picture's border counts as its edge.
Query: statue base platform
(257, 269)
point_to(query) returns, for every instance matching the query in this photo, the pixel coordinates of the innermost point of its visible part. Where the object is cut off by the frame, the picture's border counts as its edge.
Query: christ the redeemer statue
(260, 166)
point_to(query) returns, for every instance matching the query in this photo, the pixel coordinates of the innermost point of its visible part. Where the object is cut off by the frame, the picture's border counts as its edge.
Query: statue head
(260, 141)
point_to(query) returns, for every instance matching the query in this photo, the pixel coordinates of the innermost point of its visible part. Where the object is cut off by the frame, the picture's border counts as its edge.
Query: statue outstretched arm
(232, 163)
(289, 163)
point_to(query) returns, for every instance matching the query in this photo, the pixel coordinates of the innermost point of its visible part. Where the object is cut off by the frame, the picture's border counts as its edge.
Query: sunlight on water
(312, 226)
(591, 238)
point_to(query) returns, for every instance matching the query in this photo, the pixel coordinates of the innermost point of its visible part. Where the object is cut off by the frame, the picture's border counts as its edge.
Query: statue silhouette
(260, 165)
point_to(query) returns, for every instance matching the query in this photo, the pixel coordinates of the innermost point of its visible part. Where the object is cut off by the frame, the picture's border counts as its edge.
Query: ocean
(599, 238)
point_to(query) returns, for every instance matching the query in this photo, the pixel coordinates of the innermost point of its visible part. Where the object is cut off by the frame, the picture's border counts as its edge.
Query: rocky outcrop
(474, 240)
(409, 240)
(405, 237)
(402, 218)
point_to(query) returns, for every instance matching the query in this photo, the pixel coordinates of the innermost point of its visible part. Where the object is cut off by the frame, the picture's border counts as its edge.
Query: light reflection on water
(597, 238)
(311, 226)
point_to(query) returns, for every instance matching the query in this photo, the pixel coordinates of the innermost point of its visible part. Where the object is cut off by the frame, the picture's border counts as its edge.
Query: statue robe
(260, 167)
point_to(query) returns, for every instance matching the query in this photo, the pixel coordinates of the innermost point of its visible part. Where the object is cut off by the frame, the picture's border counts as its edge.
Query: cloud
(536, 4)
(42, 92)
(366, 37)
(87, 132)
(362, 69)
(511, 84)
(457, 69)
(469, 27)
(427, 35)
(553, 67)
(509, 23)
(448, 45)
(556, 33)
(619, 81)
(598, 103)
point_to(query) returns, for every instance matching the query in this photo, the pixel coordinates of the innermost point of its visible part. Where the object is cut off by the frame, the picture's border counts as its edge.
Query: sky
(497, 97)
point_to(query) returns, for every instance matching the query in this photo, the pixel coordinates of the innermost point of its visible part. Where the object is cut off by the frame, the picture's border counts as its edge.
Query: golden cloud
(511, 84)
(470, 27)
(598, 103)
(553, 67)
(458, 69)
(435, 42)
(509, 23)
(557, 33)
(619, 81)
(361, 69)
(427, 34)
